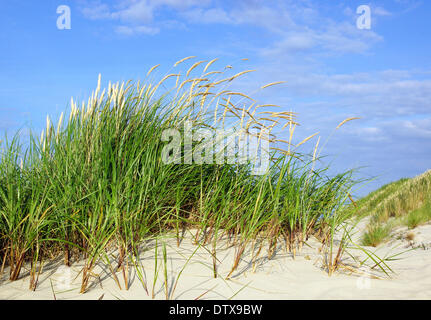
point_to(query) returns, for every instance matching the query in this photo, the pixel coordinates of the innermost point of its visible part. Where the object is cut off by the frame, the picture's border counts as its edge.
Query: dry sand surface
(282, 277)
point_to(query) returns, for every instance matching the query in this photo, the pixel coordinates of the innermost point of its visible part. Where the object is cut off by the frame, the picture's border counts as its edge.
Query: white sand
(280, 278)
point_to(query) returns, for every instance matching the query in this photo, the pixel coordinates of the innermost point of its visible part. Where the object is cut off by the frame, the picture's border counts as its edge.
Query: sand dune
(282, 277)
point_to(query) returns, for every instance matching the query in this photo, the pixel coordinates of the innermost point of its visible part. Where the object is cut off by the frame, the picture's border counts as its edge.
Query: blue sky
(332, 69)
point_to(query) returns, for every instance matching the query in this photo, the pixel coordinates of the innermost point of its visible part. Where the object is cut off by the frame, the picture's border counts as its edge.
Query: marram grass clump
(94, 182)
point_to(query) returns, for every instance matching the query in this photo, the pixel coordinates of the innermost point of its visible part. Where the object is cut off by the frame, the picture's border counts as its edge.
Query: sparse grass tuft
(418, 217)
(376, 234)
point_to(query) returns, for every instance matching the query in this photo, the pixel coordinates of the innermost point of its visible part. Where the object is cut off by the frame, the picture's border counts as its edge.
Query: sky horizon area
(339, 59)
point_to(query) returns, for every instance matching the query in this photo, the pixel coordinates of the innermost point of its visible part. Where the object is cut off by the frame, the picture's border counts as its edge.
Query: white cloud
(136, 16)
(380, 11)
(244, 13)
(368, 134)
(136, 12)
(333, 39)
(136, 30)
(378, 94)
(132, 11)
(213, 15)
(297, 26)
(419, 128)
(97, 11)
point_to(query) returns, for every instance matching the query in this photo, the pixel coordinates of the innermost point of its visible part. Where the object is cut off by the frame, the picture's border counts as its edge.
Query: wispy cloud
(297, 26)
(135, 16)
(96, 11)
(127, 30)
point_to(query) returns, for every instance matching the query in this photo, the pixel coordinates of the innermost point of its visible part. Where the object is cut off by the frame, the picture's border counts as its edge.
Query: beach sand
(282, 277)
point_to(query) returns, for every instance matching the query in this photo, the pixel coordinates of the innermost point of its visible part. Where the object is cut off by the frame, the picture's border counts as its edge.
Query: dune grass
(95, 182)
(376, 234)
(398, 198)
(403, 202)
(419, 216)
